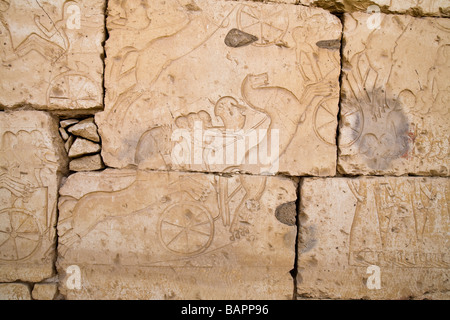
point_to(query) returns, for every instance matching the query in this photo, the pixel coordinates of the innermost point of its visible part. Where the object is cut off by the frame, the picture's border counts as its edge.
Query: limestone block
(87, 163)
(413, 7)
(354, 232)
(51, 54)
(14, 291)
(395, 114)
(45, 291)
(163, 235)
(83, 147)
(246, 85)
(86, 129)
(32, 161)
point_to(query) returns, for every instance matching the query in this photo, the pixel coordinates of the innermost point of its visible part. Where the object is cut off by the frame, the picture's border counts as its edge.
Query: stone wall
(206, 149)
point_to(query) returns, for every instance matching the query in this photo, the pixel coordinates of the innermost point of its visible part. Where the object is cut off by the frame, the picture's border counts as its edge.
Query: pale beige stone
(87, 163)
(413, 7)
(400, 225)
(83, 147)
(165, 75)
(14, 291)
(44, 291)
(51, 54)
(167, 235)
(63, 134)
(32, 161)
(68, 122)
(86, 129)
(395, 93)
(69, 143)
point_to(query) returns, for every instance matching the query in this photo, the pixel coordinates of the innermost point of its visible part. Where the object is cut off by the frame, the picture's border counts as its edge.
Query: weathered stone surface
(68, 122)
(400, 225)
(51, 54)
(413, 7)
(83, 147)
(32, 160)
(44, 291)
(395, 114)
(86, 129)
(150, 235)
(87, 163)
(14, 291)
(63, 134)
(69, 143)
(177, 73)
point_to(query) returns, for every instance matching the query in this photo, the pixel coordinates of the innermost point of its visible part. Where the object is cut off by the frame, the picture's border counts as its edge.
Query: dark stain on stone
(386, 136)
(237, 38)
(329, 44)
(287, 213)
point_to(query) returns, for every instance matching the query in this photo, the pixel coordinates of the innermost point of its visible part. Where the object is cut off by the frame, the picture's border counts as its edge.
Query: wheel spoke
(173, 224)
(4, 242)
(257, 14)
(23, 222)
(273, 14)
(81, 90)
(250, 25)
(32, 236)
(251, 15)
(326, 124)
(200, 232)
(201, 223)
(273, 27)
(350, 113)
(174, 238)
(327, 110)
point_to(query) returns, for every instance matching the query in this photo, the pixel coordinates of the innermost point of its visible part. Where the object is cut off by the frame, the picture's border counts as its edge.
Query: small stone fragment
(63, 134)
(83, 147)
(14, 291)
(88, 163)
(237, 38)
(69, 143)
(86, 129)
(68, 122)
(45, 291)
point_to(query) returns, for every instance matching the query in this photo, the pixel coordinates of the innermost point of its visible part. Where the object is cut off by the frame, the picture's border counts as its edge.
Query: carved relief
(62, 40)
(30, 164)
(223, 44)
(390, 125)
(399, 224)
(173, 220)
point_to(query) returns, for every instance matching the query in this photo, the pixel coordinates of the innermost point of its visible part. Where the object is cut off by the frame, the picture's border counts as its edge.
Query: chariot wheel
(186, 229)
(269, 23)
(325, 119)
(20, 234)
(351, 125)
(73, 91)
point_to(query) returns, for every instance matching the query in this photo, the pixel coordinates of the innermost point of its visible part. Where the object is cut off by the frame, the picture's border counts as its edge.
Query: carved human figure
(52, 44)
(365, 241)
(161, 52)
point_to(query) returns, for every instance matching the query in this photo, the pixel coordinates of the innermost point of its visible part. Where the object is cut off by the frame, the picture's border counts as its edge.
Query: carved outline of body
(179, 47)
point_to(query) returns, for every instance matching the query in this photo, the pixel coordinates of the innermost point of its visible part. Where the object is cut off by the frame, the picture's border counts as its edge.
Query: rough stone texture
(14, 291)
(44, 291)
(398, 224)
(87, 163)
(149, 235)
(83, 147)
(395, 114)
(86, 129)
(413, 7)
(167, 75)
(32, 160)
(54, 47)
